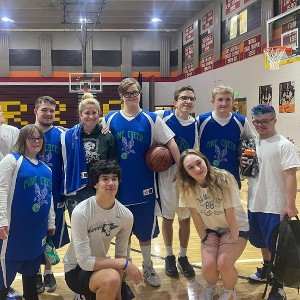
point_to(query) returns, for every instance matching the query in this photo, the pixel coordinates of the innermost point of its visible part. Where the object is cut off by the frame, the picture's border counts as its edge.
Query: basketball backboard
(85, 82)
(283, 30)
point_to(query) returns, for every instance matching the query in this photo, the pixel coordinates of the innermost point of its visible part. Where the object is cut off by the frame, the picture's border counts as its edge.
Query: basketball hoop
(85, 89)
(275, 54)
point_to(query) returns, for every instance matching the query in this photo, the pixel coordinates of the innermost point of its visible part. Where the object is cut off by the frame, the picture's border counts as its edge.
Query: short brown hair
(45, 99)
(182, 89)
(126, 83)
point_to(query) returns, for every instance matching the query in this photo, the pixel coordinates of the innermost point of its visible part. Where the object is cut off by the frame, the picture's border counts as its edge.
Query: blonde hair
(218, 182)
(223, 89)
(87, 96)
(87, 101)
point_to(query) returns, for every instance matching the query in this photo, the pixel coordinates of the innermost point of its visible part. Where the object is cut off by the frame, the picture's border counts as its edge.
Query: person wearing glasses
(8, 136)
(221, 131)
(184, 126)
(135, 130)
(26, 211)
(44, 117)
(82, 146)
(272, 193)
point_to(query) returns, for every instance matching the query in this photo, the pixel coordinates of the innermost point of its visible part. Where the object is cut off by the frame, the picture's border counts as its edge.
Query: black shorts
(78, 281)
(243, 234)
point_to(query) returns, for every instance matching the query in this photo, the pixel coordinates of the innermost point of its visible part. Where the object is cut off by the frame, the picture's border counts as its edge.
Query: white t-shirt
(267, 190)
(213, 213)
(93, 229)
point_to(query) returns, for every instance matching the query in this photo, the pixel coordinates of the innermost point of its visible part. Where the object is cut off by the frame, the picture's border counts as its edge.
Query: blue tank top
(29, 211)
(133, 139)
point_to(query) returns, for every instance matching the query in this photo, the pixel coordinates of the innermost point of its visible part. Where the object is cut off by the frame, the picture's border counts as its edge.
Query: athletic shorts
(261, 228)
(27, 268)
(145, 226)
(243, 234)
(167, 194)
(78, 281)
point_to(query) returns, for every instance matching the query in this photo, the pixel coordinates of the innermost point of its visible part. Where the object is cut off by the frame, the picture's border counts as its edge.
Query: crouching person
(95, 222)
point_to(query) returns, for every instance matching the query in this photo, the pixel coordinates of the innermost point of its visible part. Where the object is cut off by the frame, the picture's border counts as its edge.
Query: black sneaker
(50, 282)
(260, 276)
(277, 292)
(40, 286)
(185, 267)
(170, 266)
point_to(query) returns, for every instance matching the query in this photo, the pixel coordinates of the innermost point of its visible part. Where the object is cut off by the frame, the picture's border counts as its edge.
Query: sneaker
(170, 266)
(208, 292)
(13, 294)
(50, 282)
(150, 275)
(40, 286)
(260, 276)
(277, 293)
(227, 295)
(185, 267)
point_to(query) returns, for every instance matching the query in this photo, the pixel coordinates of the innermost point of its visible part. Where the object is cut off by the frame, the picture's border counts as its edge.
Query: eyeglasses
(131, 94)
(262, 122)
(32, 139)
(186, 98)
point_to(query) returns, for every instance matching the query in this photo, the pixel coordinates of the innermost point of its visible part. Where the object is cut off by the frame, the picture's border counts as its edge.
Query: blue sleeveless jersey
(53, 159)
(220, 143)
(133, 139)
(184, 135)
(30, 207)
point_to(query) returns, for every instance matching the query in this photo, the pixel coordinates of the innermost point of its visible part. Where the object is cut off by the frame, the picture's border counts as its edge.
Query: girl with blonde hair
(213, 199)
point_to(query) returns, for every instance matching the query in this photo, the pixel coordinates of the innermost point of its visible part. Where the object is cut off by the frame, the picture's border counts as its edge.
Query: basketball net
(85, 89)
(275, 54)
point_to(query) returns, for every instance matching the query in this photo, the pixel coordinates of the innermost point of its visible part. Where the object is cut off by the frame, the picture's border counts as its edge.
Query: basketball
(159, 158)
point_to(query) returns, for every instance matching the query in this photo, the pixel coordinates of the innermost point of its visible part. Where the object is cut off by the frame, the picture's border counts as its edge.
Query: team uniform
(134, 136)
(267, 191)
(26, 207)
(93, 229)
(219, 140)
(53, 159)
(186, 137)
(8, 137)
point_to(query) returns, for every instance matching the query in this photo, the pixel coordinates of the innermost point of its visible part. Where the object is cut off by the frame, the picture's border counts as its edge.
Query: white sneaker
(227, 295)
(208, 292)
(13, 294)
(150, 275)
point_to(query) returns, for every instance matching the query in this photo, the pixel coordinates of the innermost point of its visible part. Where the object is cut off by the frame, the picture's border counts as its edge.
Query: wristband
(126, 264)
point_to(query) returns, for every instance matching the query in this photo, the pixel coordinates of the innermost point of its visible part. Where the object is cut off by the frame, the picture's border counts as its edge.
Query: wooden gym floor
(179, 288)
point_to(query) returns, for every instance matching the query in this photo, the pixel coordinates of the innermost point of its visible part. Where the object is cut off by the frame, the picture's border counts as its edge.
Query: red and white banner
(287, 5)
(207, 63)
(207, 43)
(252, 46)
(207, 20)
(231, 5)
(232, 54)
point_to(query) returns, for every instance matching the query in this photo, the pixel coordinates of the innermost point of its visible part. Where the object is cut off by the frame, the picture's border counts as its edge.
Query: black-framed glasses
(131, 94)
(262, 122)
(32, 139)
(187, 98)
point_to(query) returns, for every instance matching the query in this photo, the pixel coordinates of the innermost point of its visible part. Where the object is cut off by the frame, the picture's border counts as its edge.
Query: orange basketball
(159, 158)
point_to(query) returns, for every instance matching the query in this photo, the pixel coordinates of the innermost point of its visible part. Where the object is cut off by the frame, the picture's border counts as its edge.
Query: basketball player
(221, 130)
(135, 130)
(45, 113)
(185, 128)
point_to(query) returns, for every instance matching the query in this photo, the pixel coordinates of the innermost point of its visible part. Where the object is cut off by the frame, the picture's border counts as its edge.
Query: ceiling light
(6, 19)
(84, 20)
(156, 20)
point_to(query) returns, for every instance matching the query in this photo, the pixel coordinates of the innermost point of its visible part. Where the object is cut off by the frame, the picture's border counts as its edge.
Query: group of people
(93, 164)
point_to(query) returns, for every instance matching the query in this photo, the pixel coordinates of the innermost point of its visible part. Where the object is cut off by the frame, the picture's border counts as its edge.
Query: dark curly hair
(104, 167)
